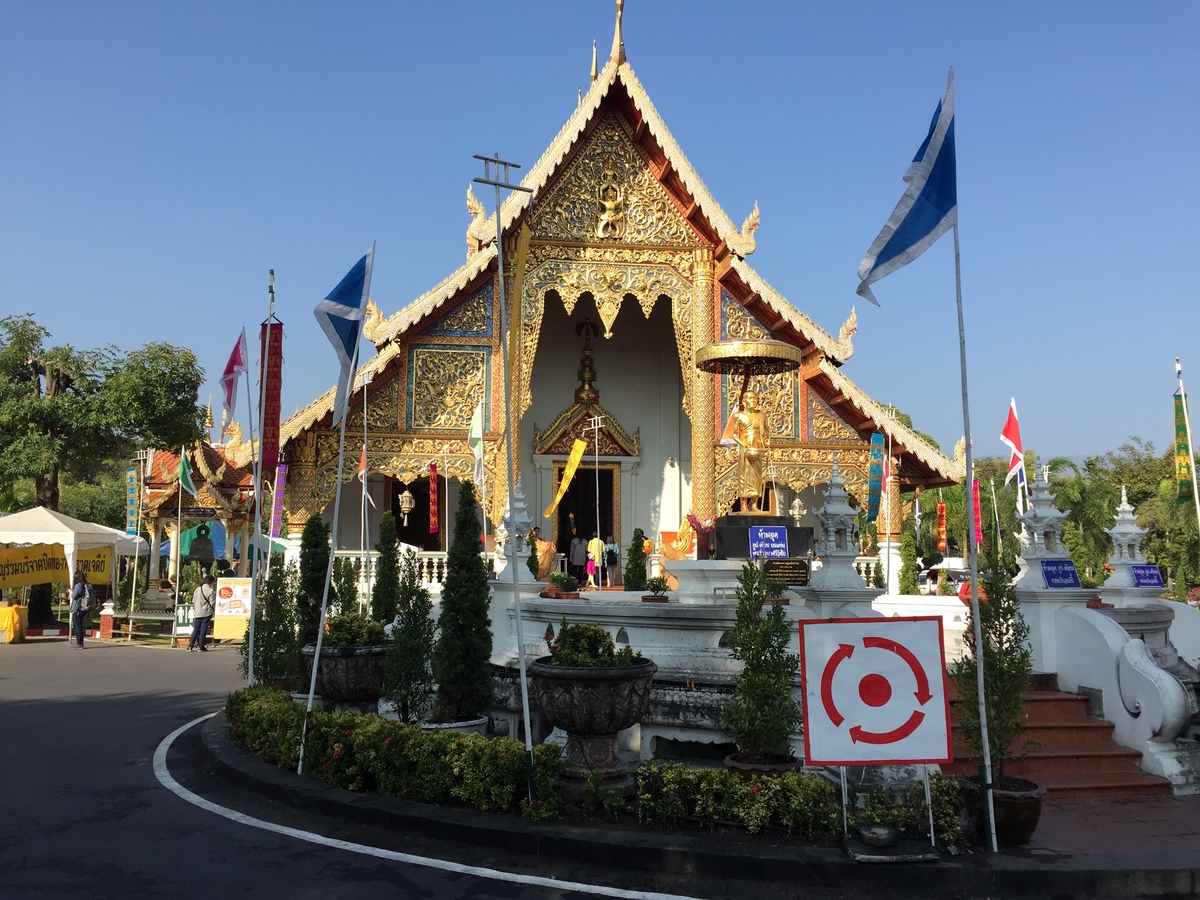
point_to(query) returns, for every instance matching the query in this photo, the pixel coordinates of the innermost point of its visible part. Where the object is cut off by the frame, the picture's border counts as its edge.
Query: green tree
(635, 562)
(462, 657)
(908, 563)
(408, 677)
(1089, 501)
(276, 629)
(314, 569)
(345, 587)
(64, 410)
(385, 595)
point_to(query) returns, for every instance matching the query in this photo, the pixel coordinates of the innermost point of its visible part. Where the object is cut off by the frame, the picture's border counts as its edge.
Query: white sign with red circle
(874, 691)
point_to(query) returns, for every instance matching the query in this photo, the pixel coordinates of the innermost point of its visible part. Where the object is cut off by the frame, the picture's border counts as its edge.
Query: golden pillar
(704, 434)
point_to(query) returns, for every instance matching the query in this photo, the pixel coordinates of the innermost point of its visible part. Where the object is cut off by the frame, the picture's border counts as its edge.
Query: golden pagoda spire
(208, 420)
(618, 46)
(595, 72)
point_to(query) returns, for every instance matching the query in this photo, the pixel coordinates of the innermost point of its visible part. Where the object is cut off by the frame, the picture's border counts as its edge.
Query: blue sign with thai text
(1060, 573)
(767, 541)
(1147, 576)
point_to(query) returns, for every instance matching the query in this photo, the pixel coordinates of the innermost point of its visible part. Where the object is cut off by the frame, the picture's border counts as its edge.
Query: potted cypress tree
(635, 562)
(462, 657)
(1007, 667)
(385, 595)
(408, 675)
(763, 712)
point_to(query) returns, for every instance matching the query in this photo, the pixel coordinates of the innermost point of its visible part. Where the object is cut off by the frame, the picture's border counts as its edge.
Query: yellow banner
(46, 563)
(568, 473)
(95, 563)
(39, 564)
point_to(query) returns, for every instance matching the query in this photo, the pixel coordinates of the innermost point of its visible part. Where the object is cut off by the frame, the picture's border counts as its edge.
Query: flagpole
(256, 469)
(365, 515)
(1187, 424)
(337, 506)
(986, 786)
(501, 181)
(176, 545)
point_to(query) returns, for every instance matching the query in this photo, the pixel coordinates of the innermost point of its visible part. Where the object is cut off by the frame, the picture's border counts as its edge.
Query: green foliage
(805, 804)
(588, 645)
(878, 579)
(657, 585)
(82, 412)
(367, 753)
(903, 807)
(462, 657)
(353, 629)
(408, 674)
(385, 595)
(276, 634)
(1007, 666)
(190, 577)
(945, 587)
(532, 562)
(345, 586)
(908, 564)
(314, 569)
(635, 562)
(595, 802)
(763, 712)
(563, 581)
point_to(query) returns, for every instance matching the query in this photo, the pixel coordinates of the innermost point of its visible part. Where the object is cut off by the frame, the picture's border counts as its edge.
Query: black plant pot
(347, 674)
(1017, 803)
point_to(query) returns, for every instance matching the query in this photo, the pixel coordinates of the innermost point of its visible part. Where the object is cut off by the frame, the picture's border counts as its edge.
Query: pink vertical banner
(277, 500)
(975, 503)
(433, 498)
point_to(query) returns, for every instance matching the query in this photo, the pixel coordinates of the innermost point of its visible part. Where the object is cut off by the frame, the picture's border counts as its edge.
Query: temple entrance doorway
(416, 532)
(578, 505)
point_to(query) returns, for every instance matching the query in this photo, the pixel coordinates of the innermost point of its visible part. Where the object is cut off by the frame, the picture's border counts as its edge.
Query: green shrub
(344, 586)
(276, 634)
(314, 569)
(385, 595)
(588, 645)
(350, 629)
(635, 562)
(904, 809)
(563, 581)
(408, 674)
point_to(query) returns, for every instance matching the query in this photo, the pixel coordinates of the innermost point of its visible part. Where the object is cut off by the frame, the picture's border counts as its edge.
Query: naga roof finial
(595, 71)
(618, 47)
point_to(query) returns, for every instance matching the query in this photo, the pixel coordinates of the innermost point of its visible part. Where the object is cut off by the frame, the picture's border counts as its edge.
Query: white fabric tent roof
(45, 526)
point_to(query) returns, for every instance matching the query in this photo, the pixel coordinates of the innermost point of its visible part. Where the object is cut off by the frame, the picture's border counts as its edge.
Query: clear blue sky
(156, 159)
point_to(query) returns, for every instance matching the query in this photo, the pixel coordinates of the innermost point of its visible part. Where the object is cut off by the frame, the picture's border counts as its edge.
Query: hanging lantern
(407, 502)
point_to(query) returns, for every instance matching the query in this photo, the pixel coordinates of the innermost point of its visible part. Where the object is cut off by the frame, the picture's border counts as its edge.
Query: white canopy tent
(45, 526)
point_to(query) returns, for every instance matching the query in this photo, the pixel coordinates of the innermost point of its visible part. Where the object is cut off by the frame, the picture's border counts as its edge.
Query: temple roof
(617, 86)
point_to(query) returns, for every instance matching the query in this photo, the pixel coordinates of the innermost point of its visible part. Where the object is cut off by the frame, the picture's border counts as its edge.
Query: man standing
(203, 606)
(578, 557)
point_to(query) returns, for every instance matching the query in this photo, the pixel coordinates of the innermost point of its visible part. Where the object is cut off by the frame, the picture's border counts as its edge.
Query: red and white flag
(238, 361)
(1011, 436)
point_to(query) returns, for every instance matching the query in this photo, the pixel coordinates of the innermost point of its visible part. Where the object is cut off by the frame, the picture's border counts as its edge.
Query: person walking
(79, 609)
(578, 558)
(595, 551)
(203, 606)
(612, 559)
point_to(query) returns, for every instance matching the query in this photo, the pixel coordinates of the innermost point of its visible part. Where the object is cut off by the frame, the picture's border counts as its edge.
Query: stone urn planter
(591, 704)
(347, 674)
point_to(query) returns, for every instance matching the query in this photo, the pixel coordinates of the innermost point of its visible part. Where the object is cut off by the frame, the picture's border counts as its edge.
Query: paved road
(83, 814)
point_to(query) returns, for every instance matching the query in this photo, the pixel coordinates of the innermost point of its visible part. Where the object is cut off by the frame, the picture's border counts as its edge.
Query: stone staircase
(1076, 756)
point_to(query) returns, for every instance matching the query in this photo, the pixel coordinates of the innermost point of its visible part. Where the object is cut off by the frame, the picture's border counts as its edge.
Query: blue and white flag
(340, 316)
(928, 209)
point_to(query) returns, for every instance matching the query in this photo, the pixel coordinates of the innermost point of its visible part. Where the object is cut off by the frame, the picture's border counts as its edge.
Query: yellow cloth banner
(568, 473)
(46, 563)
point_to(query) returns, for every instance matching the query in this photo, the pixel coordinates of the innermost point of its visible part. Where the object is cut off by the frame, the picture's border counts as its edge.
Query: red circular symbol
(875, 690)
(225, 593)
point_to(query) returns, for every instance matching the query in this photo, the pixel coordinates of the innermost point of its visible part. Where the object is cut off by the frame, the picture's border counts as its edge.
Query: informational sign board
(46, 563)
(198, 512)
(792, 572)
(874, 691)
(232, 618)
(768, 541)
(1147, 576)
(1060, 573)
(131, 500)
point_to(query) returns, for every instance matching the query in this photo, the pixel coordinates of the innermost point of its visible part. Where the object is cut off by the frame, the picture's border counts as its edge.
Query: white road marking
(165, 779)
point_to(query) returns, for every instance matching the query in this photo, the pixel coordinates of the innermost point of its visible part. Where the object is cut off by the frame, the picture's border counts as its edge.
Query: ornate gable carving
(608, 194)
(383, 406)
(569, 425)
(471, 318)
(825, 426)
(445, 384)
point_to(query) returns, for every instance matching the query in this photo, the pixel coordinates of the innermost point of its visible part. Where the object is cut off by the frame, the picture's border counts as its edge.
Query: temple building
(619, 267)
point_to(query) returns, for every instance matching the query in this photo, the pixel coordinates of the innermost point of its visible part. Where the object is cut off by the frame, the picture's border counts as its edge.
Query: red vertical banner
(271, 338)
(433, 498)
(978, 518)
(941, 526)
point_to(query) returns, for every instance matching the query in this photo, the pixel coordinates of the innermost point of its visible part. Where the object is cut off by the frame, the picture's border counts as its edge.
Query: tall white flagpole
(337, 508)
(989, 809)
(500, 180)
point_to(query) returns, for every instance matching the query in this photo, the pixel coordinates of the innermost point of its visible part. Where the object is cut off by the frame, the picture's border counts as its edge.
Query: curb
(60, 632)
(686, 857)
